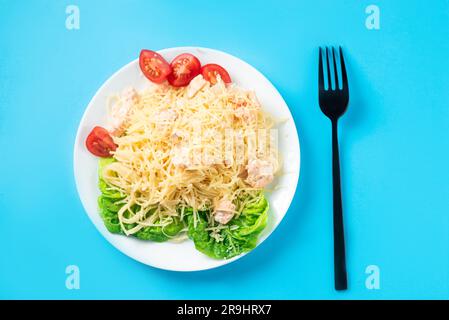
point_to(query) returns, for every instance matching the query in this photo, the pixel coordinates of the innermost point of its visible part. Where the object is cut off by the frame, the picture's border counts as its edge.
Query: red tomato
(210, 71)
(185, 67)
(99, 142)
(154, 66)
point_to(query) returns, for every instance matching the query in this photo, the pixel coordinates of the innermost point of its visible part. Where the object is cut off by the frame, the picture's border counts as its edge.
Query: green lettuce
(239, 236)
(161, 234)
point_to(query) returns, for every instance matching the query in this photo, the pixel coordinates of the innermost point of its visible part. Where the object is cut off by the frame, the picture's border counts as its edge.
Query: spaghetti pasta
(178, 150)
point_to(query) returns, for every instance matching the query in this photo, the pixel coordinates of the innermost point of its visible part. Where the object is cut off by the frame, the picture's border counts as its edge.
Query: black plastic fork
(333, 102)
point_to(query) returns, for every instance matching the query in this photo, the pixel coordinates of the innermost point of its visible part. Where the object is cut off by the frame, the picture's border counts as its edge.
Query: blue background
(394, 145)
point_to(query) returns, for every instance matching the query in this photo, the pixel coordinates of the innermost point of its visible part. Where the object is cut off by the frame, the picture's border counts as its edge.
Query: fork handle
(341, 282)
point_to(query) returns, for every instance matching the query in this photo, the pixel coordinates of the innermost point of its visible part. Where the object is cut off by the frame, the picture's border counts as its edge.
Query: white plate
(183, 256)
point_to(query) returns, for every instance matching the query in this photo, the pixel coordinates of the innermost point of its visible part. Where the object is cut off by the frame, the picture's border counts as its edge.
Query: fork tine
(337, 86)
(320, 72)
(344, 77)
(329, 83)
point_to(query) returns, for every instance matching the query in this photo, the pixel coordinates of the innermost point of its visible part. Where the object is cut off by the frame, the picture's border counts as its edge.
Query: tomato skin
(99, 142)
(154, 66)
(210, 71)
(185, 67)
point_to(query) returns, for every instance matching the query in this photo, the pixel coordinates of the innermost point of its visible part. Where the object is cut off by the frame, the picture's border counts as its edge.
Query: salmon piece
(195, 86)
(224, 211)
(260, 173)
(119, 112)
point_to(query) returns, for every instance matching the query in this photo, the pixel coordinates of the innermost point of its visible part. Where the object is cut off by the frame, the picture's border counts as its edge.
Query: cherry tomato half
(210, 71)
(99, 142)
(154, 66)
(185, 67)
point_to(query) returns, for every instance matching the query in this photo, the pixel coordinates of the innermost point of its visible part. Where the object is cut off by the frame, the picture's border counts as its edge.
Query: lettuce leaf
(239, 236)
(107, 200)
(160, 234)
(106, 191)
